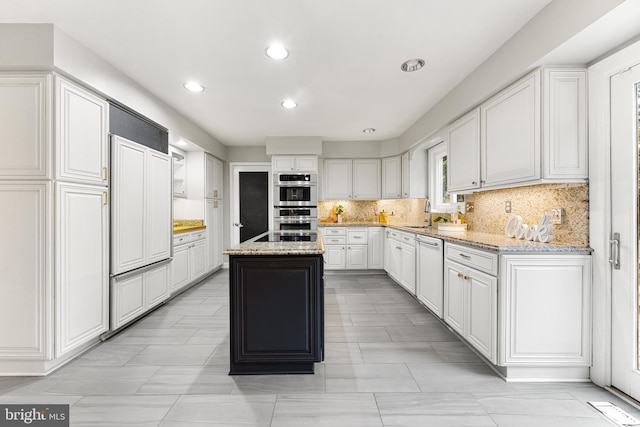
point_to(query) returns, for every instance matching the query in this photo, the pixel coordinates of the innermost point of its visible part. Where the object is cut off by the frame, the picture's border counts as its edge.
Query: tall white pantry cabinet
(53, 223)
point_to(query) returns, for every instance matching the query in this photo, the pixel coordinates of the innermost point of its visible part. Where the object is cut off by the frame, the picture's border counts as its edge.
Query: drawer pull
(463, 276)
(335, 240)
(398, 247)
(465, 256)
(357, 237)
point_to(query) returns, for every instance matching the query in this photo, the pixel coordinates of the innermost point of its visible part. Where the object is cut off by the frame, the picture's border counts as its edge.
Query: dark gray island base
(276, 293)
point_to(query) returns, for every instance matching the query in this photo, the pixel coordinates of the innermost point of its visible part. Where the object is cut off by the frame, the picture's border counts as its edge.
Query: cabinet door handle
(398, 247)
(105, 173)
(106, 198)
(465, 256)
(215, 193)
(614, 254)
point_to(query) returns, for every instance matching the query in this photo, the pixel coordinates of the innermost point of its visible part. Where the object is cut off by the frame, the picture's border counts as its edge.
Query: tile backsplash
(530, 202)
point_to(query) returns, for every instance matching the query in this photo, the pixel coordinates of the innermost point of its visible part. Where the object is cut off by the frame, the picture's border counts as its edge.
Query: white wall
(553, 26)
(75, 60)
(26, 46)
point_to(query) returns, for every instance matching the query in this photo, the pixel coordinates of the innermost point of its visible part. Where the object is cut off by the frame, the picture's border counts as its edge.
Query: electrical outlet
(556, 215)
(468, 207)
(507, 206)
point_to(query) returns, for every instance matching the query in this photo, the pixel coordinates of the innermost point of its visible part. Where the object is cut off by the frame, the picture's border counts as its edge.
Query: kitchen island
(276, 293)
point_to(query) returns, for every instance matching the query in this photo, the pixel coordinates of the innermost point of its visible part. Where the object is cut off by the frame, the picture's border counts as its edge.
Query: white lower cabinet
(375, 247)
(546, 310)
(470, 297)
(189, 258)
(534, 323)
(133, 295)
(25, 263)
(82, 257)
(345, 248)
(400, 258)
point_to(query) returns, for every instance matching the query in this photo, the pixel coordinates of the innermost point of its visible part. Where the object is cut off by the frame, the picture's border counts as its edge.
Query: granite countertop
(184, 225)
(253, 247)
(486, 241)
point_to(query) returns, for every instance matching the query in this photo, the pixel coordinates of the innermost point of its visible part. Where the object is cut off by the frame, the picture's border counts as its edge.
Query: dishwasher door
(429, 273)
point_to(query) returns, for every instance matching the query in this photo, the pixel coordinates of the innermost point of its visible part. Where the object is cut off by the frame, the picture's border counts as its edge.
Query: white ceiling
(343, 68)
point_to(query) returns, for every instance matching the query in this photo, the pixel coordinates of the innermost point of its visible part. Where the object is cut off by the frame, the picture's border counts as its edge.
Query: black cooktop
(289, 236)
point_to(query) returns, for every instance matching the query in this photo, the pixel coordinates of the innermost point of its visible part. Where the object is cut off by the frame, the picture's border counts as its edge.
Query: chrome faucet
(427, 210)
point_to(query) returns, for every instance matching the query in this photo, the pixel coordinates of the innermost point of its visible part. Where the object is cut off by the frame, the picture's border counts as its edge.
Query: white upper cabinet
(366, 179)
(345, 179)
(510, 134)
(533, 131)
(392, 177)
(294, 163)
(337, 176)
(204, 176)
(82, 147)
(565, 124)
(25, 126)
(463, 155)
(213, 180)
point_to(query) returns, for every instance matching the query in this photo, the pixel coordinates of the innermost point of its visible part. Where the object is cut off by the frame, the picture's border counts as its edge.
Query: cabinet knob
(460, 275)
(474, 183)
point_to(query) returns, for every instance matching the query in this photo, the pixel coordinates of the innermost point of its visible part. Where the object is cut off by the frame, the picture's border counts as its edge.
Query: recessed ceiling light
(412, 65)
(288, 103)
(368, 130)
(181, 143)
(277, 51)
(193, 87)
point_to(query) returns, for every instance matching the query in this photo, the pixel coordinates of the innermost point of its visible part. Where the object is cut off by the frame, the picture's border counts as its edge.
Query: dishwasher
(429, 273)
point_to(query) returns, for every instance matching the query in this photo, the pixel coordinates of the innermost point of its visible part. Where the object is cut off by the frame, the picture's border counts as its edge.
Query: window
(441, 199)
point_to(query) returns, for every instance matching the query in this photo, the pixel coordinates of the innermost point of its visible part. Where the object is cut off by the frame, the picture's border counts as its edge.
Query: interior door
(625, 373)
(252, 208)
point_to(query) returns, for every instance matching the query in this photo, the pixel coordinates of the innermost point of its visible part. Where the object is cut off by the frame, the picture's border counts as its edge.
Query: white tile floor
(389, 362)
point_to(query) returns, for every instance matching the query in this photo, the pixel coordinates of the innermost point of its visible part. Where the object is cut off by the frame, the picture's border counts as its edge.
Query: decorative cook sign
(535, 233)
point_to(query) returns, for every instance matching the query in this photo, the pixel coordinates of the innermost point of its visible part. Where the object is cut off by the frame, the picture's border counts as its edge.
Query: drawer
(197, 235)
(393, 234)
(181, 239)
(409, 239)
(474, 258)
(334, 231)
(357, 236)
(335, 240)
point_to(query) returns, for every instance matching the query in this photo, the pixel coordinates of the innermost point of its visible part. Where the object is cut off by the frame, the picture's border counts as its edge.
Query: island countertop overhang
(256, 247)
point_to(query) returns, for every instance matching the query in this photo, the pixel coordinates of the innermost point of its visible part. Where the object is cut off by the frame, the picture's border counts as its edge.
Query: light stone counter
(487, 241)
(255, 247)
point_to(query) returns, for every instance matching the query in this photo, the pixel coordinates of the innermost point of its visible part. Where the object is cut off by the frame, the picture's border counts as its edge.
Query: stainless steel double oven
(296, 201)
